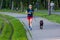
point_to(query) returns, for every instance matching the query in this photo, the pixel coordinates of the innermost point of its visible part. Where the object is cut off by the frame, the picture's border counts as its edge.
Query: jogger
(30, 12)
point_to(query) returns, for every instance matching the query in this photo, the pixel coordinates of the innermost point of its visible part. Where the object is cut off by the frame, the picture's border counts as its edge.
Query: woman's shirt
(30, 12)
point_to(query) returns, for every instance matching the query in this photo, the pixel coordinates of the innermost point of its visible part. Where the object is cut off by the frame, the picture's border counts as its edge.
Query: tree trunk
(12, 7)
(57, 4)
(44, 3)
(49, 8)
(1, 4)
(10, 4)
(21, 6)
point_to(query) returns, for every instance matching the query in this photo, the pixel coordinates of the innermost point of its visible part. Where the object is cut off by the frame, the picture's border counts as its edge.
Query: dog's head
(41, 21)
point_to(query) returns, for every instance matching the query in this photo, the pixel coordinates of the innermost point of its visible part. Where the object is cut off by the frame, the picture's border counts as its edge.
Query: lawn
(9, 10)
(19, 31)
(53, 17)
(5, 33)
(13, 11)
(57, 10)
(1, 21)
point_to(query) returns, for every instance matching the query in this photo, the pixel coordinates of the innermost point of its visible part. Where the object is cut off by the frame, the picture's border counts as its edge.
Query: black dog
(41, 24)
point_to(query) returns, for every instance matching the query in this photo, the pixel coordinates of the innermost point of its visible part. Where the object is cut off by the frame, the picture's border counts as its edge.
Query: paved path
(51, 30)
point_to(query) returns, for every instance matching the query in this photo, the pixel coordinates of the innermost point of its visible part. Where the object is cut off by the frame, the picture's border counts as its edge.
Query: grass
(57, 10)
(53, 17)
(13, 11)
(9, 10)
(6, 30)
(1, 21)
(19, 31)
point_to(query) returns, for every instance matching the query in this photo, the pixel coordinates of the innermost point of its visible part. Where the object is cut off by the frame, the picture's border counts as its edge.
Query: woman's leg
(28, 18)
(31, 22)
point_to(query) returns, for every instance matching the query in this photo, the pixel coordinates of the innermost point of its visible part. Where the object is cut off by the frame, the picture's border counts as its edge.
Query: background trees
(23, 4)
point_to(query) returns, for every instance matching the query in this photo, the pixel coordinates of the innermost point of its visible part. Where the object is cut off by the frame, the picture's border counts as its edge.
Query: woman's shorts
(29, 17)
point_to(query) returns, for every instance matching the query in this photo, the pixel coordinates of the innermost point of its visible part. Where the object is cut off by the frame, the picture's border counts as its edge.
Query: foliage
(16, 3)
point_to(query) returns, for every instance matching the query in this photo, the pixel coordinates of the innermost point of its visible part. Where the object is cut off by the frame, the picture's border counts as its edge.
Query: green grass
(19, 31)
(13, 11)
(57, 10)
(9, 10)
(53, 17)
(1, 21)
(6, 30)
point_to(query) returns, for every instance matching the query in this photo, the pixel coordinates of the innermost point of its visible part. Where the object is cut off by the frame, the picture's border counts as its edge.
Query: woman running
(30, 12)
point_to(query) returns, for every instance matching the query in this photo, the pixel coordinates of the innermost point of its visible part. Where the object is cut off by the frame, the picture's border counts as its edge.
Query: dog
(41, 24)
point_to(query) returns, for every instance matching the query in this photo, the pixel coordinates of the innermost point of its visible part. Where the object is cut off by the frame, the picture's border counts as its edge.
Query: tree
(17, 3)
(22, 9)
(12, 7)
(49, 9)
(1, 4)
